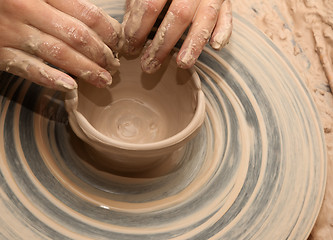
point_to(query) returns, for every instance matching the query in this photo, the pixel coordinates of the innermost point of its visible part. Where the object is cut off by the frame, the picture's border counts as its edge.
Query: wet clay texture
(142, 118)
(255, 170)
(303, 30)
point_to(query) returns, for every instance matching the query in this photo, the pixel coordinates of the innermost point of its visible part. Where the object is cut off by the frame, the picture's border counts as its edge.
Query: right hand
(209, 20)
(75, 36)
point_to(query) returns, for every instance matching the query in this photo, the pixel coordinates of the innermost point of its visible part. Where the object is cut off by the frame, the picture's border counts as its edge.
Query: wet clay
(141, 117)
(131, 111)
(303, 30)
(235, 173)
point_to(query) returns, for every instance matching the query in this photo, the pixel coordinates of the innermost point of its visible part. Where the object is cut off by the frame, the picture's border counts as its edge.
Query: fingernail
(66, 83)
(112, 61)
(186, 59)
(103, 79)
(99, 79)
(219, 41)
(216, 45)
(113, 68)
(150, 64)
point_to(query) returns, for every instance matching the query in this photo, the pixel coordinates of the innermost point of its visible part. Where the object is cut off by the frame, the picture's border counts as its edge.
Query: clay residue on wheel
(303, 30)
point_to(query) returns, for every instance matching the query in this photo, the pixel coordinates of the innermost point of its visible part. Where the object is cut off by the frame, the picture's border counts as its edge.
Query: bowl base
(155, 168)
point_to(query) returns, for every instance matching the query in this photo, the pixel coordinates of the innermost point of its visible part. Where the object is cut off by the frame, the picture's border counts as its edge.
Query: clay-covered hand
(74, 36)
(210, 20)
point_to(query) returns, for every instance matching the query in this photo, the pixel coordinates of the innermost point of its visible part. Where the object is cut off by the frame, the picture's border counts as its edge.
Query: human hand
(209, 19)
(74, 36)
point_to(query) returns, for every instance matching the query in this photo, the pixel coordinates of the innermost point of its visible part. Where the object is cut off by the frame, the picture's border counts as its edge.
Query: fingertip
(113, 65)
(223, 29)
(216, 45)
(150, 64)
(103, 79)
(220, 40)
(99, 79)
(65, 84)
(185, 59)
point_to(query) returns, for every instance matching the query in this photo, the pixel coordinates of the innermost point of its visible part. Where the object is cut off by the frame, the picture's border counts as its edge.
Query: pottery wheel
(256, 169)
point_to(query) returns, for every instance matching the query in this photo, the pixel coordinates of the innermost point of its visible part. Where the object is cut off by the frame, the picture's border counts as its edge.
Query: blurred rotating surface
(257, 168)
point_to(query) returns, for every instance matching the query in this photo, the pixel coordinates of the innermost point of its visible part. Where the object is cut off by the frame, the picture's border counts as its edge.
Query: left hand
(209, 19)
(74, 36)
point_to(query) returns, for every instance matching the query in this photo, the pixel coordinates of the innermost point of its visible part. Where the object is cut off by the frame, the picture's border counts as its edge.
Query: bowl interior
(141, 108)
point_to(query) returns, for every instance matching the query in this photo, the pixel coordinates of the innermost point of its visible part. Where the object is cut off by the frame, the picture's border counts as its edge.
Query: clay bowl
(141, 119)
